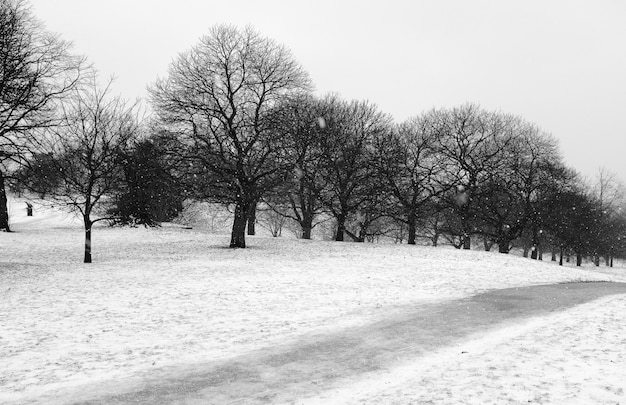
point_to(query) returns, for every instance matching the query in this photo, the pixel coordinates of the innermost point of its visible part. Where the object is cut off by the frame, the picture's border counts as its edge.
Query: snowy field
(169, 296)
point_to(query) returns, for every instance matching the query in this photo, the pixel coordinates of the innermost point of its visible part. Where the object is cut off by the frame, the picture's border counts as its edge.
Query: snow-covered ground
(171, 296)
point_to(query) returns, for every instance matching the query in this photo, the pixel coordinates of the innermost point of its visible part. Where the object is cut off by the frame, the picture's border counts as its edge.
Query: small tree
(572, 217)
(36, 71)
(87, 153)
(150, 193)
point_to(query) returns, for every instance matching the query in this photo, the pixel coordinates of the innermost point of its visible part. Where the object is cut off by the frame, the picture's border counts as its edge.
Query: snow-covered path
(315, 368)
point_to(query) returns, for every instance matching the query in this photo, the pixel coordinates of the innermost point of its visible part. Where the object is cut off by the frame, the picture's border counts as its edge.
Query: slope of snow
(156, 297)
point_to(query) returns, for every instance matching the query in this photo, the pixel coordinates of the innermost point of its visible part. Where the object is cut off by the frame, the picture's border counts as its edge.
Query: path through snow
(314, 367)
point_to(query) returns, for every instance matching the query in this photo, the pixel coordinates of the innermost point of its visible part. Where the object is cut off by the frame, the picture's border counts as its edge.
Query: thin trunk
(561, 256)
(611, 264)
(435, 239)
(88, 225)
(533, 252)
(4, 206)
(596, 260)
(540, 255)
(526, 250)
(238, 234)
(579, 259)
(341, 228)
(467, 242)
(504, 245)
(251, 217)
(412, 229)
(553, 255)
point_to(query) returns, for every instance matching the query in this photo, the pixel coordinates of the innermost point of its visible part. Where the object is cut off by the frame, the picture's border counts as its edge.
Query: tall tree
(572, 217)
(529, 169)
(608, 193)
(348, 158)
(300, 122)
(217, 97)
(412, 170)
(36, 71)
(471, 141)
(87, 153)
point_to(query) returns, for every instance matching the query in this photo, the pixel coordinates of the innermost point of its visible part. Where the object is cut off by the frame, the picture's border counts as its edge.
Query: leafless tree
(509, 201)
(86, 153)
(349, 170)
(471, 141)
(217, 97)
(301, 123)
(608, 193)
(36, 71)
(412, 170)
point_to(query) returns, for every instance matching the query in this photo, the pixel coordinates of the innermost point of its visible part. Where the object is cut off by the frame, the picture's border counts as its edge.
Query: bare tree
(36, 71)
(529, 168)
(217, 97)
(86, 149)
(471, 141)
(608, 192)
(348, 157)
(412, 170)
(300, 122)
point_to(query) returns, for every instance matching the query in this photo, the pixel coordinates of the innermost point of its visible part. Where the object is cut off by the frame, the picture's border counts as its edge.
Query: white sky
(559, 64)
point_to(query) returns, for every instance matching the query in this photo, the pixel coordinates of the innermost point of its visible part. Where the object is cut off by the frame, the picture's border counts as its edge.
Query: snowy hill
(167, 296)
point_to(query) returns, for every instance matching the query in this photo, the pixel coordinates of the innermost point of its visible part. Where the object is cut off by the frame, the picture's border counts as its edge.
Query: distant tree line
(236, 123)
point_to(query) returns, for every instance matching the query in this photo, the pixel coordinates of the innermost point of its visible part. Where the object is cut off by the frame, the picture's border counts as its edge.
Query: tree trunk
(540, 257)
(611, 264)
(306, 230)
(561, 256)
(533, 252)
(525, 253)
(553, 255)
(435, 239)
(467, 242)
(579, 259)
(503, 245)
(251, 218)
(412, 230)
(606, 260)
(596, 260)
(238, 234)
(341, 228)
(87, 241)
(4, 206)
(487, 244)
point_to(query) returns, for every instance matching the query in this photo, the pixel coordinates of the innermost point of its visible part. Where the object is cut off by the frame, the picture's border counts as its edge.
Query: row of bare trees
(235, 123)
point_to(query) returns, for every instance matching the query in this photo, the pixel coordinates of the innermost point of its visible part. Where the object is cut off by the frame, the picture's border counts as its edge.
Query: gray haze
(559, 64)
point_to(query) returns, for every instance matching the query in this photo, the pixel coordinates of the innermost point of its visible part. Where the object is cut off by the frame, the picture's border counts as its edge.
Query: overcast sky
(559, 64)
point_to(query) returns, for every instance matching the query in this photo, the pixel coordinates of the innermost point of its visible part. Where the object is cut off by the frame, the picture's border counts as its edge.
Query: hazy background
(559, 64)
